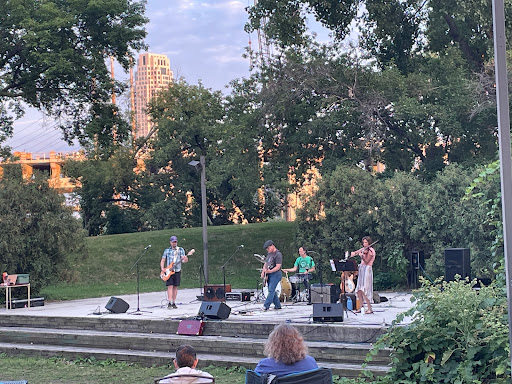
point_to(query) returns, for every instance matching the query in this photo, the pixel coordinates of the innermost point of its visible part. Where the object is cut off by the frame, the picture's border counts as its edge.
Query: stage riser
(332, 332)
(169, 343)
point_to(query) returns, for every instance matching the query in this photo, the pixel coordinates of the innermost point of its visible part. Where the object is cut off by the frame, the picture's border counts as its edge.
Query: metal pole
(203, 213)
(500, 59)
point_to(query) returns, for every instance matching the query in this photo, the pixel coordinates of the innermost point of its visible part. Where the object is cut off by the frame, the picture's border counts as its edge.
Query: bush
(457, 335)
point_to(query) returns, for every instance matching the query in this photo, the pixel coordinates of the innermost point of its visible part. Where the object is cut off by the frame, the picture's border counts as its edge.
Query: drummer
(305, 265)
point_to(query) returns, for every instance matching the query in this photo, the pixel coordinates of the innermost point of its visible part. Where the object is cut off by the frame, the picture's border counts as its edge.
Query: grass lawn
(107, 267)
(60, 371)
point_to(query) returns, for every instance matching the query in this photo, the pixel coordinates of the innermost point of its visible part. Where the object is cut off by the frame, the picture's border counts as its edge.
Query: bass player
(172, 259)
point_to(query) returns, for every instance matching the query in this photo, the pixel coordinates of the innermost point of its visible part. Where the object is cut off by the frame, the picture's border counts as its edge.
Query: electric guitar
(169, 271)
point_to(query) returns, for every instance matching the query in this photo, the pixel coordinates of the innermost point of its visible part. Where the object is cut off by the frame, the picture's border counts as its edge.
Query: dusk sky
(204, 40)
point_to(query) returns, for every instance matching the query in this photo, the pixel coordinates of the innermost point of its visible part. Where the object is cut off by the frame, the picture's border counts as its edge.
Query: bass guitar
(169, 271)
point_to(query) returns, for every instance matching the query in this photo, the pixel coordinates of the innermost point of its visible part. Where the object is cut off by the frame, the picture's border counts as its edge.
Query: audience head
(185, 357)
(286, 345)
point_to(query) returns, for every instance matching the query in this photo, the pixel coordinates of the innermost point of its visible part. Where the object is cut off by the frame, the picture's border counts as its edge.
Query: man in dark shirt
(272, 273)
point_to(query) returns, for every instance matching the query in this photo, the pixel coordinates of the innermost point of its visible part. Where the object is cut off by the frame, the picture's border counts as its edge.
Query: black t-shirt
(274, 258)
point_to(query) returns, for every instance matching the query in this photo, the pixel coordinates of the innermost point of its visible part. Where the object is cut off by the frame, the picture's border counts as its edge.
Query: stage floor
(153, 306)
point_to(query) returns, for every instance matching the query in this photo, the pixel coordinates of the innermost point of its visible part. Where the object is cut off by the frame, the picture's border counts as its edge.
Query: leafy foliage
(404, 213)
(53, 58)
(38, 231)
(457, 335)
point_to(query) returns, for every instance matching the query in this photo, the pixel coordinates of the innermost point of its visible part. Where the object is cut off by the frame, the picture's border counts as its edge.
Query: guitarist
(272, 274)
(364, 288)
(175, 255)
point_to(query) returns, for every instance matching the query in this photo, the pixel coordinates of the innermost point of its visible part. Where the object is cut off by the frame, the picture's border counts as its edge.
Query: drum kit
(289, 287)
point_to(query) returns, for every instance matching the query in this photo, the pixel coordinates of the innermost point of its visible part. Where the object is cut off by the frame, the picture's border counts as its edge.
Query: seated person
(287, 353)
(185, 363)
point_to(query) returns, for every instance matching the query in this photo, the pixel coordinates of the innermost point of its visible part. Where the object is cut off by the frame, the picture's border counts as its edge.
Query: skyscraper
(153, 74)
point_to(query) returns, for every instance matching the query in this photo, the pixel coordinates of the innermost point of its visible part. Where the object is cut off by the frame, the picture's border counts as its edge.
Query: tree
(103, 183)
(53, 58)
(38, 231)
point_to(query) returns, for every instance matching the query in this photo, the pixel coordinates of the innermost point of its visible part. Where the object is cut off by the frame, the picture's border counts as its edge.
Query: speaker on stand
(416, 264)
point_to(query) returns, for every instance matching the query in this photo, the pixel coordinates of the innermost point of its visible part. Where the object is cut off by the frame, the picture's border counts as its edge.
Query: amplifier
(235, 296)
(215, 292)
(325, 293)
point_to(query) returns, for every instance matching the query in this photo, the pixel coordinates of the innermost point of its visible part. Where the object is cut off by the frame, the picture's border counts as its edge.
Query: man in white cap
(173, 256)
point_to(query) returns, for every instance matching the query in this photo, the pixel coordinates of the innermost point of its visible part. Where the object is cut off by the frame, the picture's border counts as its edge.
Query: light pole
(201, 165)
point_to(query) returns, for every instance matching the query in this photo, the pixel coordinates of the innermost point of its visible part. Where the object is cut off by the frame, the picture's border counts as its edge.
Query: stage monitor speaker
(325, 293)
(214, 310)
(456, 262)
(327, 312)
(215, 292)
(117, 305)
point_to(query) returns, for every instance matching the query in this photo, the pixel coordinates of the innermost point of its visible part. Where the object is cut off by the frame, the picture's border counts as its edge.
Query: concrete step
(149, 358)
(346, 353)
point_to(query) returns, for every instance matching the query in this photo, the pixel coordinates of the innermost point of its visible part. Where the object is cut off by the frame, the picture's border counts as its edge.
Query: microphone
(241, 246)
(149, 246)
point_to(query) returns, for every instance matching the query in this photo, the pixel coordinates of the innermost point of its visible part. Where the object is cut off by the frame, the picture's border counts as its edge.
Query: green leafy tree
(103, 185)
(38, 231)
(53, 58)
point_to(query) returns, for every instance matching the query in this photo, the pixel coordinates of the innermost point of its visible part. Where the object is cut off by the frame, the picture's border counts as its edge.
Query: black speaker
(416, 259)
(327, 312)
(456, 262)
(117, 305)
(216, 310)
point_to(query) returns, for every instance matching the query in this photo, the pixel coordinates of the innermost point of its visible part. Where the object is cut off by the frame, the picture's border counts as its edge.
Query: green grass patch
(108, 266)
(88, 370)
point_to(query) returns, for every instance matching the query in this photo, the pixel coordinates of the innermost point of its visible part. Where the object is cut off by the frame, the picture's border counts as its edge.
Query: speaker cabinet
(117, 305)
(215, 292)
(327, 313)
(325, 293)
(456, 262)
(214, 310)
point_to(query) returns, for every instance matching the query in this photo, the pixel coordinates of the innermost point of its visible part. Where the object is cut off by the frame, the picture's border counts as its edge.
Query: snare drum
(296, 279)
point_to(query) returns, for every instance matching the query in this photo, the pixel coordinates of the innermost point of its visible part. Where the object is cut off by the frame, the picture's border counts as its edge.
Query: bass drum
(286, 290)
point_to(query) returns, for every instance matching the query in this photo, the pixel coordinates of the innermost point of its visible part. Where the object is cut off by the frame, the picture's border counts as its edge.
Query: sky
(204, 40)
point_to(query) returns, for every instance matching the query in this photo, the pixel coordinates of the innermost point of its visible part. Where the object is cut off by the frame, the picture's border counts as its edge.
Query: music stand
(136, 265)
(346, 265)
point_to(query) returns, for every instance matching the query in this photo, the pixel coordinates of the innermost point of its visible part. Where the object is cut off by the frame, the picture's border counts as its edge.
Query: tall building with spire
(153, 74)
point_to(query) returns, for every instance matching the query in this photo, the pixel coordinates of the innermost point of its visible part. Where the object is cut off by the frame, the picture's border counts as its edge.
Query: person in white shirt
(186, 372)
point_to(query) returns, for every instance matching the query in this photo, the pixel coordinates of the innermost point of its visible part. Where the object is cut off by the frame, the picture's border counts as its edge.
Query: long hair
(286, 345)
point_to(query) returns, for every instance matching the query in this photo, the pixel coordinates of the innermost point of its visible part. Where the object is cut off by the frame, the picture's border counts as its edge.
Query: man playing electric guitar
(171, 262)
(272, 272)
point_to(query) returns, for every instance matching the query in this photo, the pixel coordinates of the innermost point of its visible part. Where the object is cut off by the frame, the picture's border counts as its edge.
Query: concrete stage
(84, 328)
(153, 306)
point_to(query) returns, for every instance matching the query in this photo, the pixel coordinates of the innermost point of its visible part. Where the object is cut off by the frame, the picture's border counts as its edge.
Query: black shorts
(174, 279)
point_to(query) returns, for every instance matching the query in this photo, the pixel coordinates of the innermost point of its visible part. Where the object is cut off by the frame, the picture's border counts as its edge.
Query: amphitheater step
(149, 358)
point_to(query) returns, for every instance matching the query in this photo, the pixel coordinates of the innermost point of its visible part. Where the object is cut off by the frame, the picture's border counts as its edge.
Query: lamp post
(201, 165)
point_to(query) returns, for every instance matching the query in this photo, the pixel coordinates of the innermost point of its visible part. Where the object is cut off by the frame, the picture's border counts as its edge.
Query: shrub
(457, 335)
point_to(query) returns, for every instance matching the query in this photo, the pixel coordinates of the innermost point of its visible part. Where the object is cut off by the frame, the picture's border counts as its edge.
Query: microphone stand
(136, 265)
(224, 269)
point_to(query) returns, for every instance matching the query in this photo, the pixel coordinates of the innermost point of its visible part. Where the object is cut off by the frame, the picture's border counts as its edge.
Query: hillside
(108, 267)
